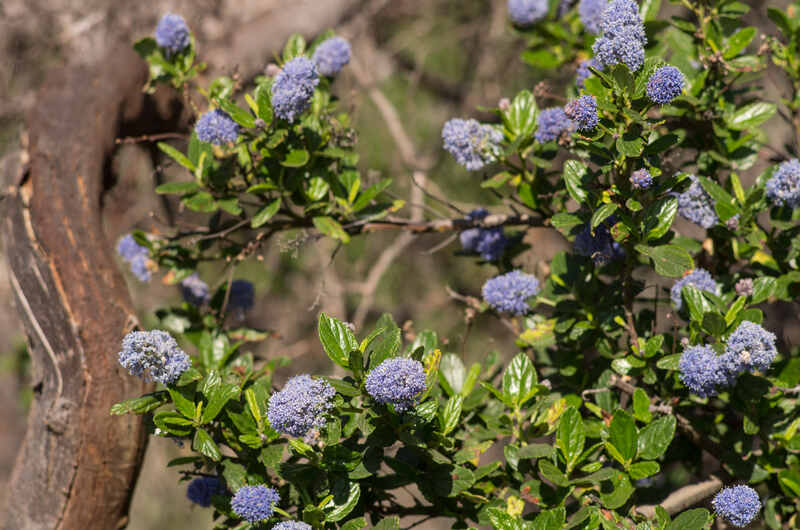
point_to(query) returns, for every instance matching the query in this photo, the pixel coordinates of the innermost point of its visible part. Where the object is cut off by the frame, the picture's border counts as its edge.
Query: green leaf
(176, 155)
(201, 201)
(204, 444)
(264, 103)
(551, 473)
(387, 344)
(659, 217)
(342, 510)
(603, 213)
(739, 41)
(452, 373)
(696, 302)
(337, 339)
(501, 520)
(549, 519)
(714, 324)
(295, 47)
(266, 213)
(654, 439)
(763, 288)
(630, 144)
(217, 398)
(641, 406)
(781, 20)
(622, 435)
(751, 115)
(183, 399)
(520, 118)
(519, 380)
(235, 474)
(296, 158)
(140, 405)
(621, 493)
(574, 175)
(649, 9)
(237, 113)
(329, 227)
(724, 203)
(669, 362)
(535, 451)
(355, 524)
(450, 414)
(690, 520)
(641, 470)
(669, 260)
(571, 436)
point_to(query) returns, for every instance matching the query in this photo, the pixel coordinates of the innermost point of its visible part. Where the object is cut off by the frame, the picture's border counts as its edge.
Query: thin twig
(148, 138)
(684, 497)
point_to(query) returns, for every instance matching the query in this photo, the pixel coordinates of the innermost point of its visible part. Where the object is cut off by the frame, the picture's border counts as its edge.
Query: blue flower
(137, 256)
(699, 278)
(525, 13)
(293, 88)
(242, 296)
(509, 293)
(194, 290)
(300, 406)
(255, 503)
(216, 127)
(641, 179)
(590, 12)
(665, 84)
(750, 348)
(564, 6)
(140, 267)
(783, 188)
(598, 244)
(172, 33)
(582, 111)
(696, 205)
(331, 56)
(583, 73)
(153, 355)
(488, 242)
(398, 381)
(472, 144)
(201, 490)
(291, 525)
(738, 505)
(551, 124)
(623, 37)
(701, 370)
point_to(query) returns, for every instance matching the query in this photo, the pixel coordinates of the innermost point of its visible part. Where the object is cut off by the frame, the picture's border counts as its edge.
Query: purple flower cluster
(744, 287)
(699, 278)
(172, 33)
(331, 56)
(300, 406)
(623, 38)
(242, 295)
(194, 290)
(201, 489)
(398, 381)
(749, 348)
(216, 127)
(738, 505)
(488, 242)
(509, 293)
(551, 124)
(472, 144)
(293, 88)
(583, 112)
(783, 188)
(701, 370)
(696, 205)
(665, 84)
(153, 355)
(137, 256)
(525, 13)
(598, 245)
(255, 503)
(583, 73)
(292, 525)
(590, 13)
(641, 179)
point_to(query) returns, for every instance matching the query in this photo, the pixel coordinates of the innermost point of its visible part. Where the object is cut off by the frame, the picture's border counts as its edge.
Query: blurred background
(416, 64)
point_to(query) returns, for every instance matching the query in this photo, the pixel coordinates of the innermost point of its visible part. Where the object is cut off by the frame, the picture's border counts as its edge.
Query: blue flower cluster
(738, 505)
(201, 490)
(216, 127)
(294, 87)
(194, 290)
(292, 525)
(242, 295)
(255, 503)
(783, 188)
(172, 33)
(525, 13)
(582, 111)
(472, 144)
(749, 348)
(551, 124)
(665, 84)
(488, 242)
(153, 355)
(641, 179)
(696, 205)
(583, 73)
(331, 56)
(623, 37)
(509, 293)
(137, 256)
(701, 370)
(590, 13)
(699, 278)
(300, 406)
(598, 245)
(398, 381)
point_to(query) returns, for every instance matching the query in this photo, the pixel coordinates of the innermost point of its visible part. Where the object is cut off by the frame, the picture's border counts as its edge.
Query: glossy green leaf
(571, 436)
(695, 519)
(265, 213)
(654, 439)
(204, 444)
(622, 434)
(519, 380)
(337, 339)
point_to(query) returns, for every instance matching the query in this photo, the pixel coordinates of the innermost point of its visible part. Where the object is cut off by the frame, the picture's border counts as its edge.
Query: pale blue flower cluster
(300, 406)
(583, 73)
(598, 244)
(137, 256)
(750, 348)
(583, 112)
(701, 370)
(696, 205)
(665, 84)
(331, 56)
(292, 525)
(488, 242)
(242, 296)
(472, 144)
(623, 38)
(216, 127)
(172, 33)
(509, 293)
(201, 489)
(398, 381)
(194, 290)
(700, 279)
(738, 505)
(255, 503)
(153, 355)
(641, 179)
(294, 87)
(551, 124)
(783, 188)
(525, 13)
(590, 13)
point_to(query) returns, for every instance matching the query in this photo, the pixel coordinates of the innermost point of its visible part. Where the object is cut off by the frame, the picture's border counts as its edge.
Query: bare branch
(685, 497)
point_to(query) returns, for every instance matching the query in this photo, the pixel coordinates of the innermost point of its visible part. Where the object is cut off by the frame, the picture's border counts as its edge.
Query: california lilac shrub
(749, 348)
(623, 37)
(583, 72)
(783, 188)
(255, 503)
(397, 381)
(300, 406)
(153, 355)
(472, 144)
(293, 88)
(509, 293)
(702, 371)
(598, 244)
(696, 205)
(583, 112)
(698, 278)
(488, 242)
(591, 12)
(641, 179)
(665, 84)
(201, 489)
(738, 505)
(137, 256)
(552, 123)
(525, 13)
(172, 33)
(194, 290)
(331, 56)
(216, 127)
